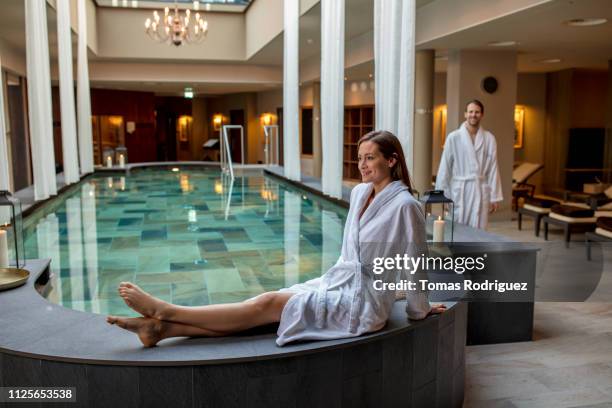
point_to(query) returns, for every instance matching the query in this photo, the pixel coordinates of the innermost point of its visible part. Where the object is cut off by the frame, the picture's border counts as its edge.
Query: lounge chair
(520, 176)
(602, 233)
(571, 218)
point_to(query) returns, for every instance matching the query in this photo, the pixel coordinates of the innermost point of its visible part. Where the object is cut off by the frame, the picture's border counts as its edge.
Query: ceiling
(539, 31)
(541, 34)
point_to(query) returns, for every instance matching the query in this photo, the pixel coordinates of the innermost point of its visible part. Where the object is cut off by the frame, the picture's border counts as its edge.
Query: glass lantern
(440, 216)
(108, 156)
(121, 157)
(12, 252)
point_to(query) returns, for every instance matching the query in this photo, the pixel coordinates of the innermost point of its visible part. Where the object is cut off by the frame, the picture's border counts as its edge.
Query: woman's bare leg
(263, 309)
(150, 331)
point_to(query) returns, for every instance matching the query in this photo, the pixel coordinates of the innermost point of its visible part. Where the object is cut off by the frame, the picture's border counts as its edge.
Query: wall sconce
(217, 121)
(266, 119)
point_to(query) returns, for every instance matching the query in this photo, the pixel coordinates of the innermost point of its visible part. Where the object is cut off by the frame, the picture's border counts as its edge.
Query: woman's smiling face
(373, 166)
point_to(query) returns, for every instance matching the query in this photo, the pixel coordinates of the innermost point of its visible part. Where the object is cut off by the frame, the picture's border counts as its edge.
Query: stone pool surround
(408, 363)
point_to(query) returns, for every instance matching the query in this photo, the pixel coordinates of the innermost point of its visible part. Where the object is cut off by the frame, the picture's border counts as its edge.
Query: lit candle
(109, 182)
(438, 230)
(109, 161)
(4, 257)
(192, 216)
(122, 183)
(121, 161)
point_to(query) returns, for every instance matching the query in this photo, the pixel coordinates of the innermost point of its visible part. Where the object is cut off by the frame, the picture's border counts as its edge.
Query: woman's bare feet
(149, 331)
(142, 302)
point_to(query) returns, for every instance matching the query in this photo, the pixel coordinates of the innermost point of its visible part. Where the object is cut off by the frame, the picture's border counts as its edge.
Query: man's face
(473, 114)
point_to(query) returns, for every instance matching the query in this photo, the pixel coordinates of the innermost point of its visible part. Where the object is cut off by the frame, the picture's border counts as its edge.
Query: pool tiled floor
(182, 237)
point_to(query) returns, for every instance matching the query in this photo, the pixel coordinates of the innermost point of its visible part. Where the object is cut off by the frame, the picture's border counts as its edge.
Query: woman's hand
(437, 309)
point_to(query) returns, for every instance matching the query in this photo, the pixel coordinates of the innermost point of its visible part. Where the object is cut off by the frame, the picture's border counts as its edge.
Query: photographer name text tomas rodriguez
(466, 285)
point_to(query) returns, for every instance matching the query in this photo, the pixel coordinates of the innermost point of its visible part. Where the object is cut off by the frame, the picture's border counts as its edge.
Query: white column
(332, 94)
(39, 99)
(5, 178)
(69, 133)
(291, 131)
(394, 48)
(83, 98)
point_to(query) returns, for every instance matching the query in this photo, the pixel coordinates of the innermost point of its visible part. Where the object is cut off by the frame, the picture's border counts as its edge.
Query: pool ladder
(227, 164)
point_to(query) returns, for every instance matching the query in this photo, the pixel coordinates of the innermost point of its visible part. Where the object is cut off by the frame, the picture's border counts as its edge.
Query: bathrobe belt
(463, 179)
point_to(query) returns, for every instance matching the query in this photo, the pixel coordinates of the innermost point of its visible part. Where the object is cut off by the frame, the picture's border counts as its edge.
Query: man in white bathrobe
(468, 171)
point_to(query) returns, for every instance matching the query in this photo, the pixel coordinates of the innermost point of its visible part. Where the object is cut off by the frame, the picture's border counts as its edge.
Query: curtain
(332, 95)
(394, 48)
(39, 99)
(291, 135)
(69, 133)
(83, 98)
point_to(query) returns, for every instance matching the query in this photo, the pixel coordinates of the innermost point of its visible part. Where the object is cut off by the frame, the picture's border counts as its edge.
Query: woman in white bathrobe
(384, 220)
(468, 171)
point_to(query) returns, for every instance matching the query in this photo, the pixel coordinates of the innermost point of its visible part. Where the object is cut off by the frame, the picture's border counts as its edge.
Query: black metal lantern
(439, 213)
(11, 232)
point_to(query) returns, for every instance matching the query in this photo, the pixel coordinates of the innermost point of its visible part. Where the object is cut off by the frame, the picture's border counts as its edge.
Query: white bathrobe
(343, 302)
(469, 176)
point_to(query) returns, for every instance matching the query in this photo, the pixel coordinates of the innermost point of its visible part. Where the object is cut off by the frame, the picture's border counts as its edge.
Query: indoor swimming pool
(186, 235)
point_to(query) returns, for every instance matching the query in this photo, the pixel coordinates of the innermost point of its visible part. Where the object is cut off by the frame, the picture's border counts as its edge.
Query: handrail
(226, 155)
(267, 129)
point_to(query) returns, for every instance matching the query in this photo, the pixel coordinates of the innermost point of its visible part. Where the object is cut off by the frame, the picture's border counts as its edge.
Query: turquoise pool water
(190, 237)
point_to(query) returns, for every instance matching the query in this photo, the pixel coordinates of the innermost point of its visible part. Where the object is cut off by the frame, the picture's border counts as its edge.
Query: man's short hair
(475, 102)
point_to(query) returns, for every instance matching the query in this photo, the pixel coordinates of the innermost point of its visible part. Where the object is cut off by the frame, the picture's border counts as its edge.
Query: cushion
(608, 192)
(603, 232)
(573, 220)
(599, 214)
(604, 207)
(575, 204)
(572, 211)
(540, 202)
(605, 223)
(536, 209)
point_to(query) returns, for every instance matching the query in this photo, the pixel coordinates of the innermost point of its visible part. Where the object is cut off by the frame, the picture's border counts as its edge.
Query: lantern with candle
(440, 216)
(11, 232)
(121, 156)
(108, 155)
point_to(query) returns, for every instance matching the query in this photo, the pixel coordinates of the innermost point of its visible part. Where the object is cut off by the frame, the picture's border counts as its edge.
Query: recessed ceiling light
(309, 41)
(550, 61)
(586, 22)
(345, 78)
(370, 76)
(502, 43)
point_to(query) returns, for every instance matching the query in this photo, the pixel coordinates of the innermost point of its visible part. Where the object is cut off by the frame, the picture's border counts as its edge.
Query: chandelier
(174, 28)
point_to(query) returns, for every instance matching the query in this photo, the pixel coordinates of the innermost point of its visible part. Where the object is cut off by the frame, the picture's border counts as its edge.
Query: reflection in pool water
(190, 237)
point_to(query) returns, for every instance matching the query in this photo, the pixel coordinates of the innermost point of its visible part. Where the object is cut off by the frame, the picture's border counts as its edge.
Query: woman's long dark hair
(390, 146)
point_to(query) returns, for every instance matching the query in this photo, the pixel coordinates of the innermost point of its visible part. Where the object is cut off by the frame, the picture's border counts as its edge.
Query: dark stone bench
(407, 363)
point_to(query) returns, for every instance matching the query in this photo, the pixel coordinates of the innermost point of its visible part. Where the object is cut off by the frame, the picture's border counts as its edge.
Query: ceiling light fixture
(586, 22)
(502, 43)
(176, 28)
(188, 93)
